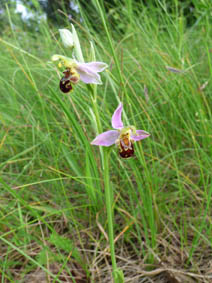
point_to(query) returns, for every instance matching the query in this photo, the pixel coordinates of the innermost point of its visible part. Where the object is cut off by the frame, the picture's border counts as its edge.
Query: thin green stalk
(117, 273)
(108, 194)
(93, 91)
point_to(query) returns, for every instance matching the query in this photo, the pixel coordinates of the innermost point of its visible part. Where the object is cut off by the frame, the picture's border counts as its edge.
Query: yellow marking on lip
(126, 141)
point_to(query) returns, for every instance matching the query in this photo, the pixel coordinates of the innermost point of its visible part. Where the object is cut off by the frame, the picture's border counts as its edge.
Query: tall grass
(53, 215)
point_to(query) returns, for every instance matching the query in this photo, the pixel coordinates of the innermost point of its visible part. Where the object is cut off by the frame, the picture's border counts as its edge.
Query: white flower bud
(67, 38)
(77, 47)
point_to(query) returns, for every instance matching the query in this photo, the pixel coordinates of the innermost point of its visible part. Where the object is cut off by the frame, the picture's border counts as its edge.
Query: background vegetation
(53, 223)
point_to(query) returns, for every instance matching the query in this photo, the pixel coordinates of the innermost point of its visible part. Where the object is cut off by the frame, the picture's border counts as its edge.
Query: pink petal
(106, 139)
(89, 78)
(89, 72)
(94, 67)
(140, 135)
(116, 118)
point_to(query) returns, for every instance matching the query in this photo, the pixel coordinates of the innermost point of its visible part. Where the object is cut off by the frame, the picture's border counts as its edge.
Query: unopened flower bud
(67, 38)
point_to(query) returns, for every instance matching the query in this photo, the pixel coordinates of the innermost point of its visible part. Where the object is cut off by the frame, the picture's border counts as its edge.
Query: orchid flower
(75, 71)
(123, 137)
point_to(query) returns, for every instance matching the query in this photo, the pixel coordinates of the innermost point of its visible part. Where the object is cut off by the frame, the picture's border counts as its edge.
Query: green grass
(53, 213)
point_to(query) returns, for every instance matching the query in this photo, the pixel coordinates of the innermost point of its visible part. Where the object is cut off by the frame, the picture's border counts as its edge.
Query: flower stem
(108, 198)
(117, 274)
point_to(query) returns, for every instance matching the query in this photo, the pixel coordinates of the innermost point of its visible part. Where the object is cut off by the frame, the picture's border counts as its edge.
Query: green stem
(117, 273)
(105, 154)
(96, 112)
(93, 91)
(109, 206)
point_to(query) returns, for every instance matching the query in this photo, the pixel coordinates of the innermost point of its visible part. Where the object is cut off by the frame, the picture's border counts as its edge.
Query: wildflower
(123, 137)
(75, 71)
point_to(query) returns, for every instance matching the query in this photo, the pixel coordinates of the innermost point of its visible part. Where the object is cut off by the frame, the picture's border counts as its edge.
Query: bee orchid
(123, 137)
(75, 71)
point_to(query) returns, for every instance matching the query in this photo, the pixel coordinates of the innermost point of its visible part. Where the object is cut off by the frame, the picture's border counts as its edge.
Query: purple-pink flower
(123, 137)
(75, 71)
